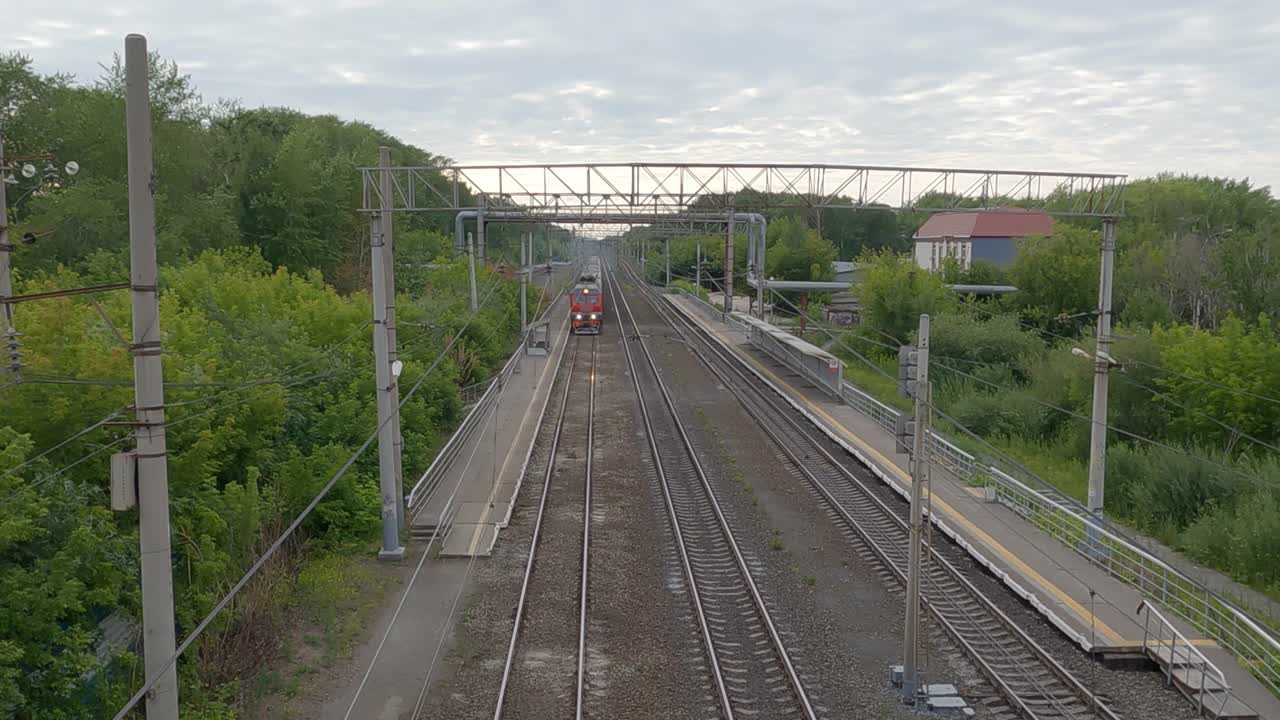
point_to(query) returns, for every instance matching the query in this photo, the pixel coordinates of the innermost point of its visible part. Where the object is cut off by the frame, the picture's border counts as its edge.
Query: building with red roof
(969, 235)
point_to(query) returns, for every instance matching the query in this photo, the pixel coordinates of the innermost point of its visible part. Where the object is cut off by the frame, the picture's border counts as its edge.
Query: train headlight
(593, 316)
(578, 316)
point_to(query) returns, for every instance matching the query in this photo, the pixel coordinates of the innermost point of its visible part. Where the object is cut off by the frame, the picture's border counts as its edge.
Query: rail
(740, 561)
(1255, 646)
(1183, 662)
(474, 419)
(882, 530)
(480, 398)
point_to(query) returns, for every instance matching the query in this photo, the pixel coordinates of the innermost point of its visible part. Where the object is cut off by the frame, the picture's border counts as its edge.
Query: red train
(586, 302)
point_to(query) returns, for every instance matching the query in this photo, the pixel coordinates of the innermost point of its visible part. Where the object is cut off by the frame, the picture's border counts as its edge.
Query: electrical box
(124, 481)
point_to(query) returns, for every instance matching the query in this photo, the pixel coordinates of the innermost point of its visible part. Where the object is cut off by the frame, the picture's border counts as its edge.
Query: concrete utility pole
(480, 233)
(728, 268)
(1101, 366)
(158, 631)
(763, 239)
(6, 281)
(919, 463)
(393, 354)
(391, 502)
(697, 273)
(524, 285)
(668, 251)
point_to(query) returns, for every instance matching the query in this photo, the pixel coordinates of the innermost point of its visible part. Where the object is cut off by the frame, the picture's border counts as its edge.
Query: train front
(586, 310)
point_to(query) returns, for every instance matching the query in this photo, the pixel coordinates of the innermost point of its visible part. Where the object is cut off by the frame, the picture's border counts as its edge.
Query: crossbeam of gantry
(592, 189)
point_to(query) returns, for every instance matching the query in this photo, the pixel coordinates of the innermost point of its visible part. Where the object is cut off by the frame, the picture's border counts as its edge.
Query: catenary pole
(10, 331)
(919, 463)
(524, 285)
(152, 468)
(697, 273)
(728, 267)
(1101, 368)
(668, 253)
(391, 547)
(471, 270)
(393, 354)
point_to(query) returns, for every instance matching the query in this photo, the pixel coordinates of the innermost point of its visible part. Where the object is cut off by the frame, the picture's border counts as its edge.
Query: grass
(775, 540)
(810, 580)
(332, 600)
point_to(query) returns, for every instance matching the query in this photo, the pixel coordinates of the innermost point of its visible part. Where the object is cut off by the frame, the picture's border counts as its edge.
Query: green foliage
(698, 292)
(894, 293)
(1057, 278)
(796, 252)
(964, 339)
(1242, 358)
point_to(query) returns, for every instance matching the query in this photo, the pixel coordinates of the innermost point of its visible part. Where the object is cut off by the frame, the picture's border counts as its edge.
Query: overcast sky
(1134, 86)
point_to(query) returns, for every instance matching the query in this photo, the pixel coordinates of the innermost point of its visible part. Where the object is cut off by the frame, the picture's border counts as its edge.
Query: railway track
(544, 672)
(752, 672)
(1034, 684)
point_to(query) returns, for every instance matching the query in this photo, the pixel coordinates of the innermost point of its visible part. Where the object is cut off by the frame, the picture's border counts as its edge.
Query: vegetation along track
(1035, 684)
(752, 671)
(546, 678)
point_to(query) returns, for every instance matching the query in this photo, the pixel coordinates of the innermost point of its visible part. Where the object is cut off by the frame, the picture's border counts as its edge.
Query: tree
(1057, 278)
(894, 292)
(796, 252)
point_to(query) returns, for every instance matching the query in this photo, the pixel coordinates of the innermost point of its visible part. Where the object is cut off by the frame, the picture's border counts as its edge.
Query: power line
(1120, 431)
(1153, 366)
(275, 546)
(1165, 398)
(114, 414)
(57, 473)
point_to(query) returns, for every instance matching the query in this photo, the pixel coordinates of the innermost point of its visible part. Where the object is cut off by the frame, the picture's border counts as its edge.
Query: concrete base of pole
(391, 555)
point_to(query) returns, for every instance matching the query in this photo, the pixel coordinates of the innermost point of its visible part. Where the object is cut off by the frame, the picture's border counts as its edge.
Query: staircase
(1187, 669)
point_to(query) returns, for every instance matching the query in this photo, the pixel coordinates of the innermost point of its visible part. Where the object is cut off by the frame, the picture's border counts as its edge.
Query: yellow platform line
(902, 477)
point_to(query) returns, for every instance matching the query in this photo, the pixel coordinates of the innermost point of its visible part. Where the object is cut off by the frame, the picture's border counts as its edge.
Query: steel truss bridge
(624, 193)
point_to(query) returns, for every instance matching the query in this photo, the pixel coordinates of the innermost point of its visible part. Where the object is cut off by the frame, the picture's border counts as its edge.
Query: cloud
(585, 88)
(490, 44)
(1026, 83)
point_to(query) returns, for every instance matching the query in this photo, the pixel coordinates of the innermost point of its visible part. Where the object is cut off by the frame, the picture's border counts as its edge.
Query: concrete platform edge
(1005, 577)
(542, 413)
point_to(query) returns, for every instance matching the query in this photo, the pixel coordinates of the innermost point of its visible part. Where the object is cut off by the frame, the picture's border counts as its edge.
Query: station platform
(474, 496)
(1096, 611)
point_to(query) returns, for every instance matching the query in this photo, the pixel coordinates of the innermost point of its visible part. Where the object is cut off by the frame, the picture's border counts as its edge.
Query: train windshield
(585, 297)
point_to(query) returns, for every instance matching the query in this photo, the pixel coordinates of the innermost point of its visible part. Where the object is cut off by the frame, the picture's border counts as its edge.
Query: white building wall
(929, 254)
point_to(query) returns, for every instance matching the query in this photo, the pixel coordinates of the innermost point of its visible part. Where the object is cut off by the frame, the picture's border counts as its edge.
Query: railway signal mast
(911, 435)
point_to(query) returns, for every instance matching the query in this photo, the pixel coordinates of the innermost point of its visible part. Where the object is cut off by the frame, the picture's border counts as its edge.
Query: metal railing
(472, 393)
(474, 419)
(1184, 665)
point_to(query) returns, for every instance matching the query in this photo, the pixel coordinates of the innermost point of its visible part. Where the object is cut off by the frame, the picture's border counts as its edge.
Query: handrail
(430, 478)
(1176, 641)
(1065, 519)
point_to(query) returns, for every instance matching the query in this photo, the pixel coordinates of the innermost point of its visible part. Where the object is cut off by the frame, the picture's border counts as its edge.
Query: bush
(998, 340)
(1164, 491)
(1242, 539)
(699, 292)
(1009, 415)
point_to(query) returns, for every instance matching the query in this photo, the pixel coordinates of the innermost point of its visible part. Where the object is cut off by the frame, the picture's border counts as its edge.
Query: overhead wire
(1120, 431)
(111, 416)
(293, 526)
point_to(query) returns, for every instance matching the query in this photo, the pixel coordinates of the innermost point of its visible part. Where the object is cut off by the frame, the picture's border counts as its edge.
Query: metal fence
(472, 393)
(1064, 518)
(474, 419)
(1254, 645)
